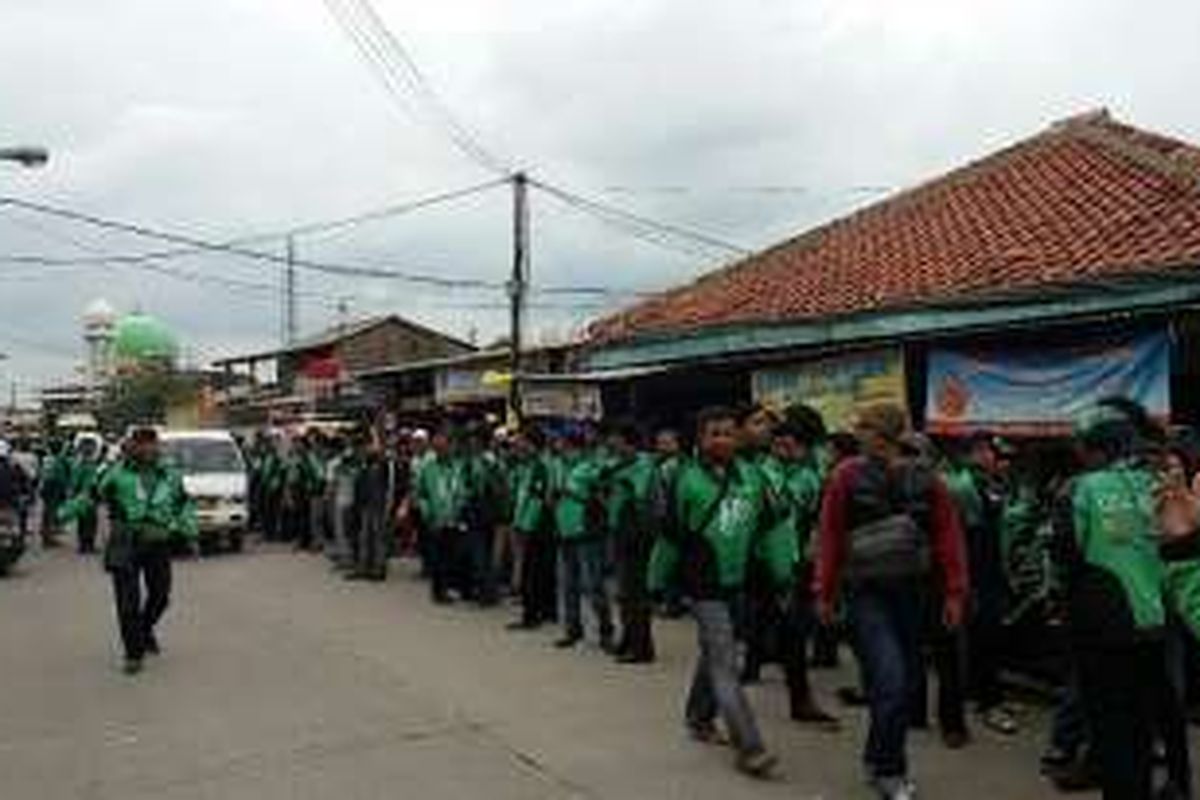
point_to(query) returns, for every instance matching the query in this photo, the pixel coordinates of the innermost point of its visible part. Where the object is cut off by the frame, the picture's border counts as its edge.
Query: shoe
(635, 658)
(132, 666)
(152, 648)
(606, 644)
(850, 696)
(355, 575)
(707, 733)
(810, 713)
(759, 765)
(1078, 776)
(523, 625)
(1055, 758)
(955, 740)
(1000, 720)
(443, 600)
(894, 787)
(570, 640)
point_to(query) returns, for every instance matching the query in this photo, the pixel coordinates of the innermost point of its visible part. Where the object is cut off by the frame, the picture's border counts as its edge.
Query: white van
(214, 475)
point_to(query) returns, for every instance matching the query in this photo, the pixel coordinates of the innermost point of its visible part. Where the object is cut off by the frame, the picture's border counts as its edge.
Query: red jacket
(949, 549)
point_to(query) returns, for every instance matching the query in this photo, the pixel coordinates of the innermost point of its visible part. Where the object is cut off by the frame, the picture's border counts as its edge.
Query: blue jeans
(581, 562)
(886, 618)
(715, 687)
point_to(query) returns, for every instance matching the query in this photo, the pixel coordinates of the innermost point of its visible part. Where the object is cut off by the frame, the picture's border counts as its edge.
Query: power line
(220, 247)
(644, 227)
(309, 229)
(398, 71)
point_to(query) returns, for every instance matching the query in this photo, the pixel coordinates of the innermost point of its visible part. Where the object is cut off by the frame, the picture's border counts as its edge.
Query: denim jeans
(581, 562)
(715, 687)
(886, 617)
(1069, 728)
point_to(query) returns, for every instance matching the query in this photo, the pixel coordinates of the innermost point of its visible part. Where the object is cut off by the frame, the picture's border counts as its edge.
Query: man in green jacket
(794, 479)
(149, 511)
(533, 527)
(579, 518)
(1107, 544)
(722, 506)
(440, 493)
(632, 511)
(84, 474)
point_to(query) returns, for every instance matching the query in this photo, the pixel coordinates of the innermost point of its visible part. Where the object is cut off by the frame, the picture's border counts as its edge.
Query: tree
(142, 398)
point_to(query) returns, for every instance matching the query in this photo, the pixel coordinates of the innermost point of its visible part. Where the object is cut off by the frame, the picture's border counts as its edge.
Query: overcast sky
(748, 119)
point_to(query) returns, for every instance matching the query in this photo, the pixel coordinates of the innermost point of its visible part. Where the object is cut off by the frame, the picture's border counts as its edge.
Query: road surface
(279, 681)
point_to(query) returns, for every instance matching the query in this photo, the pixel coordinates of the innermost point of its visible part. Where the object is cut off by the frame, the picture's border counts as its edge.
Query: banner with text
(836, 386)
(1030, 391)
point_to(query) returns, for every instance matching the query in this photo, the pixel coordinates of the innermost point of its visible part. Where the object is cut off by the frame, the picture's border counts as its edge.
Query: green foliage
(142, 398)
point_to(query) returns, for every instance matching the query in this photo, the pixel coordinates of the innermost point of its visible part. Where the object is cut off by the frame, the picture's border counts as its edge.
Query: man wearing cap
(888, 525)
(1106, 538)
(149, 511)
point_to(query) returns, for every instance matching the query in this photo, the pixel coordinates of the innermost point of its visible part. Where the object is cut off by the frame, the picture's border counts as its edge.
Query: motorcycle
(12, 543)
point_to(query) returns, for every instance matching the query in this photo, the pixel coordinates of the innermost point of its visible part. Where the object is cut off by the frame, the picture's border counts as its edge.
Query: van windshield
(201, 456)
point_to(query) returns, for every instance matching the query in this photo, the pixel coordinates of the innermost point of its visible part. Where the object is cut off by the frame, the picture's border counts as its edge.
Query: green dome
(141, 337)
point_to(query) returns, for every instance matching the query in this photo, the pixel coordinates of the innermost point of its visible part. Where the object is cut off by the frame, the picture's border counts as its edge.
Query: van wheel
(207, 546)
(237, 541)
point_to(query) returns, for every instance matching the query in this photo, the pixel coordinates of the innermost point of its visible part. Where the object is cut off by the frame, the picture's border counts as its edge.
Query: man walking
(579, 516)
(883, 515)
(721, 507)
(148, 510)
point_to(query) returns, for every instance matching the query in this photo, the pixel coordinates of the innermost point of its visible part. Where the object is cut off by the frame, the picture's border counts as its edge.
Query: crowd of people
(964, 557)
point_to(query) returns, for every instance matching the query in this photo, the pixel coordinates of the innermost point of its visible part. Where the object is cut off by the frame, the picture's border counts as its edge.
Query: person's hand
(826, 611)
(953, 613)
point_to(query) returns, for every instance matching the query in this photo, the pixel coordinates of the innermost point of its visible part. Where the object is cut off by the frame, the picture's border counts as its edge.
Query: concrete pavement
(280, 681)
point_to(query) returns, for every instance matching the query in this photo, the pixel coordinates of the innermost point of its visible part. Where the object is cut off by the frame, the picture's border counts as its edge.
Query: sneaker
(1000, 720)
(851, 696)
(132, 666)
(570, 640)
(759, 765)
(894, 787)
(152, 647)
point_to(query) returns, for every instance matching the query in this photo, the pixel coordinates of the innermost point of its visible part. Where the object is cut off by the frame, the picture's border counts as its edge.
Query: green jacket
(718, 529)
(149, 503)
(576, 514)
(440, 492)
(1106, 530)
(85, 476)
(529, 483)
(796, 492)
(631, 503)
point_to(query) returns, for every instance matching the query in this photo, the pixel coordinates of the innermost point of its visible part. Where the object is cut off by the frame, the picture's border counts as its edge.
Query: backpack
(889, 538)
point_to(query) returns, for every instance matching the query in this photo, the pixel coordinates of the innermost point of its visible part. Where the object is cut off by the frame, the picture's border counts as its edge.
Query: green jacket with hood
(1106, 537)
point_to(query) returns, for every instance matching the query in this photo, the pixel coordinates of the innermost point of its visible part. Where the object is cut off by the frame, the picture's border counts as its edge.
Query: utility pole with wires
(518, 286)
(289, 294)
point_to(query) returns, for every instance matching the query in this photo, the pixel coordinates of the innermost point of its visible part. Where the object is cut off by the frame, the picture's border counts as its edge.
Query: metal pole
(517, 287)
(289, 301)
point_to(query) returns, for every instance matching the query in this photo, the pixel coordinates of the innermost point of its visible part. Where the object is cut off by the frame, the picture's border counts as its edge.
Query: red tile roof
(1087, 199)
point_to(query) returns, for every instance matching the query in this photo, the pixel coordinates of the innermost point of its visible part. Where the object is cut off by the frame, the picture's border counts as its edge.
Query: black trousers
(137, 616)
(947, 650)
(445, 561)
(1121, 687)
(85, 529)
(636, 610)
(539, 598)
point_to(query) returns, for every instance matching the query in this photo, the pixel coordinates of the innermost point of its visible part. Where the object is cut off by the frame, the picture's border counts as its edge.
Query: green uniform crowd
(1076, 560)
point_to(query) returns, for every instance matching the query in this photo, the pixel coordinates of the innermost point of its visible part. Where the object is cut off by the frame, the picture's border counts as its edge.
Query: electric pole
(517, 286)
(289, 294)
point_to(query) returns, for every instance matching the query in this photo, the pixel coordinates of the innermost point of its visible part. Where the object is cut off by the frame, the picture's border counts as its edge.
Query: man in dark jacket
(887, 524)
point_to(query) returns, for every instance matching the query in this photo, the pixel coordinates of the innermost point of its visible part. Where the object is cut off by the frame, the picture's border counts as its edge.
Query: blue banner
(1038, 391)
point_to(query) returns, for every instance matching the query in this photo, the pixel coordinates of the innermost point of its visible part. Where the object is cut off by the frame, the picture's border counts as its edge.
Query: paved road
(280, 682)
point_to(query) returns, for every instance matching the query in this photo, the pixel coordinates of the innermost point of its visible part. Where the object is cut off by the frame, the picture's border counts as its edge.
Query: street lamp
(25, 155)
